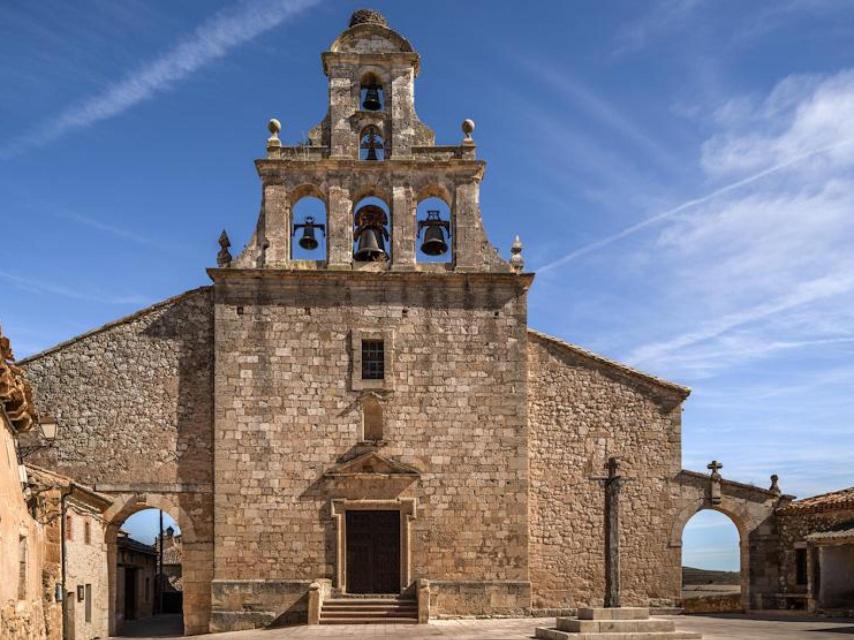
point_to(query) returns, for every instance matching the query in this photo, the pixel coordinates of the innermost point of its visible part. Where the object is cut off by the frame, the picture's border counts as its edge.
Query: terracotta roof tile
(842, 499)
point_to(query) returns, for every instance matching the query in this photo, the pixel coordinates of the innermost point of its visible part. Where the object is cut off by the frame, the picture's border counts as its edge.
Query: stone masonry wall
(580, 412)
(133, 400)
(286, 412)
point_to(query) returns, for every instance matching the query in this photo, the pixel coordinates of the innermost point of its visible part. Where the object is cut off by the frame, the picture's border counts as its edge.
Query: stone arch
(197, 561)
(435, 190)
(372, 190)
(747, 506)
(307, 190)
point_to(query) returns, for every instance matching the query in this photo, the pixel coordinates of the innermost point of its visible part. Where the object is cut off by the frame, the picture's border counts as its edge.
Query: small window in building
(87, 532)
(800, 566)
(373, 360)
(22, 568)
(68, 528)
(88, 604)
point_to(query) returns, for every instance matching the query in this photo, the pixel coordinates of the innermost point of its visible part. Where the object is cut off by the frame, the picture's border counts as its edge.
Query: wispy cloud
(211, 40)
(664, 16)
(75, 293)
(804, 293)
(119, 232)
(688, 204)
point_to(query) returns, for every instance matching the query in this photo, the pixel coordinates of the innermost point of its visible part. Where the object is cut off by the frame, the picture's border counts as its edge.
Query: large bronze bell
(372, 99)
(434, 234)
(309, 239)
(371, 246)
(370, 233)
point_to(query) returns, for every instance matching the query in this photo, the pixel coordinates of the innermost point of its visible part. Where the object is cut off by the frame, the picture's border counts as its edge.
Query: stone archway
(750, 508)
(197, 560)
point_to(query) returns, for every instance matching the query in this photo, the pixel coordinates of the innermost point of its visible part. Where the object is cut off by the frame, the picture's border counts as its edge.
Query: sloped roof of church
(619, 367)
(842, 499)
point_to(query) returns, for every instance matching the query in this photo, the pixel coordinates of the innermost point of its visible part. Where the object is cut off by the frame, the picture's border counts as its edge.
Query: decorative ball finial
(368, 16)
(517, 262)
(274, 127)
(468, 128)
(775, 487)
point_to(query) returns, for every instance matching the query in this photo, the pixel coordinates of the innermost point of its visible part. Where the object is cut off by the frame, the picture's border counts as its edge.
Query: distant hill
(691, 575)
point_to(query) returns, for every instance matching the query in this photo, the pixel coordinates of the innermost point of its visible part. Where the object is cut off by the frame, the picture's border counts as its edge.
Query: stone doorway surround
(339, 508)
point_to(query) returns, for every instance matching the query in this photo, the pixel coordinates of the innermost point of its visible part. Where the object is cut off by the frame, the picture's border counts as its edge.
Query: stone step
(359, 602)
(367, 620)
(350, 613)
(373, 607)
(556, 634)
(613, 613)
(614, 626)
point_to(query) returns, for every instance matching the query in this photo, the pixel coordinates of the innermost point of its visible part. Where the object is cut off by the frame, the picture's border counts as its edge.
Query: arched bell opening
(372, 230)
(371, 93)
(713, 563)
(433, 233)
(145, 554)
(371, 147)
(309, 229)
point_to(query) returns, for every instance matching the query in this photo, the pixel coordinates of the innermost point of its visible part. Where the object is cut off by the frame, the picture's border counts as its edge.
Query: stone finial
(516, 259)
(775, 487)
(368, 16)
(468, 127)
(223, 258)
(274, 127)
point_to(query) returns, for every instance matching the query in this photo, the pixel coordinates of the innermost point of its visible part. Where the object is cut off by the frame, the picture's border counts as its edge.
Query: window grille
(373, 360)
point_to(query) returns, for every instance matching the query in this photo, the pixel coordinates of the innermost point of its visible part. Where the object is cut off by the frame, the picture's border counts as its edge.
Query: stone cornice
(276, 167)
(380, 278)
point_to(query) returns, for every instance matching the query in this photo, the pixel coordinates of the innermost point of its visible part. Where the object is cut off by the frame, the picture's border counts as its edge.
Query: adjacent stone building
(817, 552)
(357, 404)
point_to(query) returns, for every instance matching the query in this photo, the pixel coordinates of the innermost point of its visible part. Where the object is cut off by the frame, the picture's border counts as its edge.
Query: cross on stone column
(612, 482)
(715, 481)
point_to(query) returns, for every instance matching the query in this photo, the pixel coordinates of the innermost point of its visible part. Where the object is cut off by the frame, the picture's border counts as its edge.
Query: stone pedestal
(618, 623)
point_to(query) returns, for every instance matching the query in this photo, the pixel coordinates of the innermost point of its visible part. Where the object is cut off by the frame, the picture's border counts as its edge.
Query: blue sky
(680, 172)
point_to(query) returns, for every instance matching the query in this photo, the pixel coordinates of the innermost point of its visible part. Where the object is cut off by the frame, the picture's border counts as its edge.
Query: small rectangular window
(800, 566)
(68, 527)
(87, 532)
(88, 603)
(22, 568)
(373, 360)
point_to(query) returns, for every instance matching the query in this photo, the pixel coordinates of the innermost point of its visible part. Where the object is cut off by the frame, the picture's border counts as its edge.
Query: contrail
(211, 40)
(648, 222)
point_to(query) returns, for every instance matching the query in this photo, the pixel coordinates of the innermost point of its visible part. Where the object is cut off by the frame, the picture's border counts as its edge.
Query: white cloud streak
(211, 40)
(688, 204)
(34, 286)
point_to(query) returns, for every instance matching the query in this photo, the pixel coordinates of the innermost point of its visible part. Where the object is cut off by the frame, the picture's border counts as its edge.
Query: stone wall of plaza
(22, 553)
(454, 408)
(134, 400)
(86, 581)
(581, 411)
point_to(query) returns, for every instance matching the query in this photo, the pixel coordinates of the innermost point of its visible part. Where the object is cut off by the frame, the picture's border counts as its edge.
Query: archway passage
(711, 564)
(146, 554)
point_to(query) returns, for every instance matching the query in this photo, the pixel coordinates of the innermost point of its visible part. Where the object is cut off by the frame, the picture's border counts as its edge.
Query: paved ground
(719, 627)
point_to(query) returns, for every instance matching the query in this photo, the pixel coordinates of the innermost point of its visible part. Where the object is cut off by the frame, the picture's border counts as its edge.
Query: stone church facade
(368, 422)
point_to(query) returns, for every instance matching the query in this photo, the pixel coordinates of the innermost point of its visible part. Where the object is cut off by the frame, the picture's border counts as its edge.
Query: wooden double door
(373, 551)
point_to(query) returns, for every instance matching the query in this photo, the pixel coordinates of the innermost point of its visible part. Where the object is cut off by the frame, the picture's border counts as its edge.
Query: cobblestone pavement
(718, 627)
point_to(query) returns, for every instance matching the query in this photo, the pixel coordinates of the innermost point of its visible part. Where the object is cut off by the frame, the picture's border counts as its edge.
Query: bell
(434, 242)
(370, 246)
(434, 238)
(372, 99)
(309, 239)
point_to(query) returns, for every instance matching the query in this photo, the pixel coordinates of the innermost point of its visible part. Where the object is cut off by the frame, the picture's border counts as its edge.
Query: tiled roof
(842, 499)
(841, 532)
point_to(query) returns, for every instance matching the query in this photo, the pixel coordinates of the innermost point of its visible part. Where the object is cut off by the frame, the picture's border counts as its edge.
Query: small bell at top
(309, 239)
(372, 99)
(434, 238)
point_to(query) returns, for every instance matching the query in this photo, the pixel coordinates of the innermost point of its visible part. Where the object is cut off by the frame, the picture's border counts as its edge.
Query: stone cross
(612, 482)
(715, 480)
